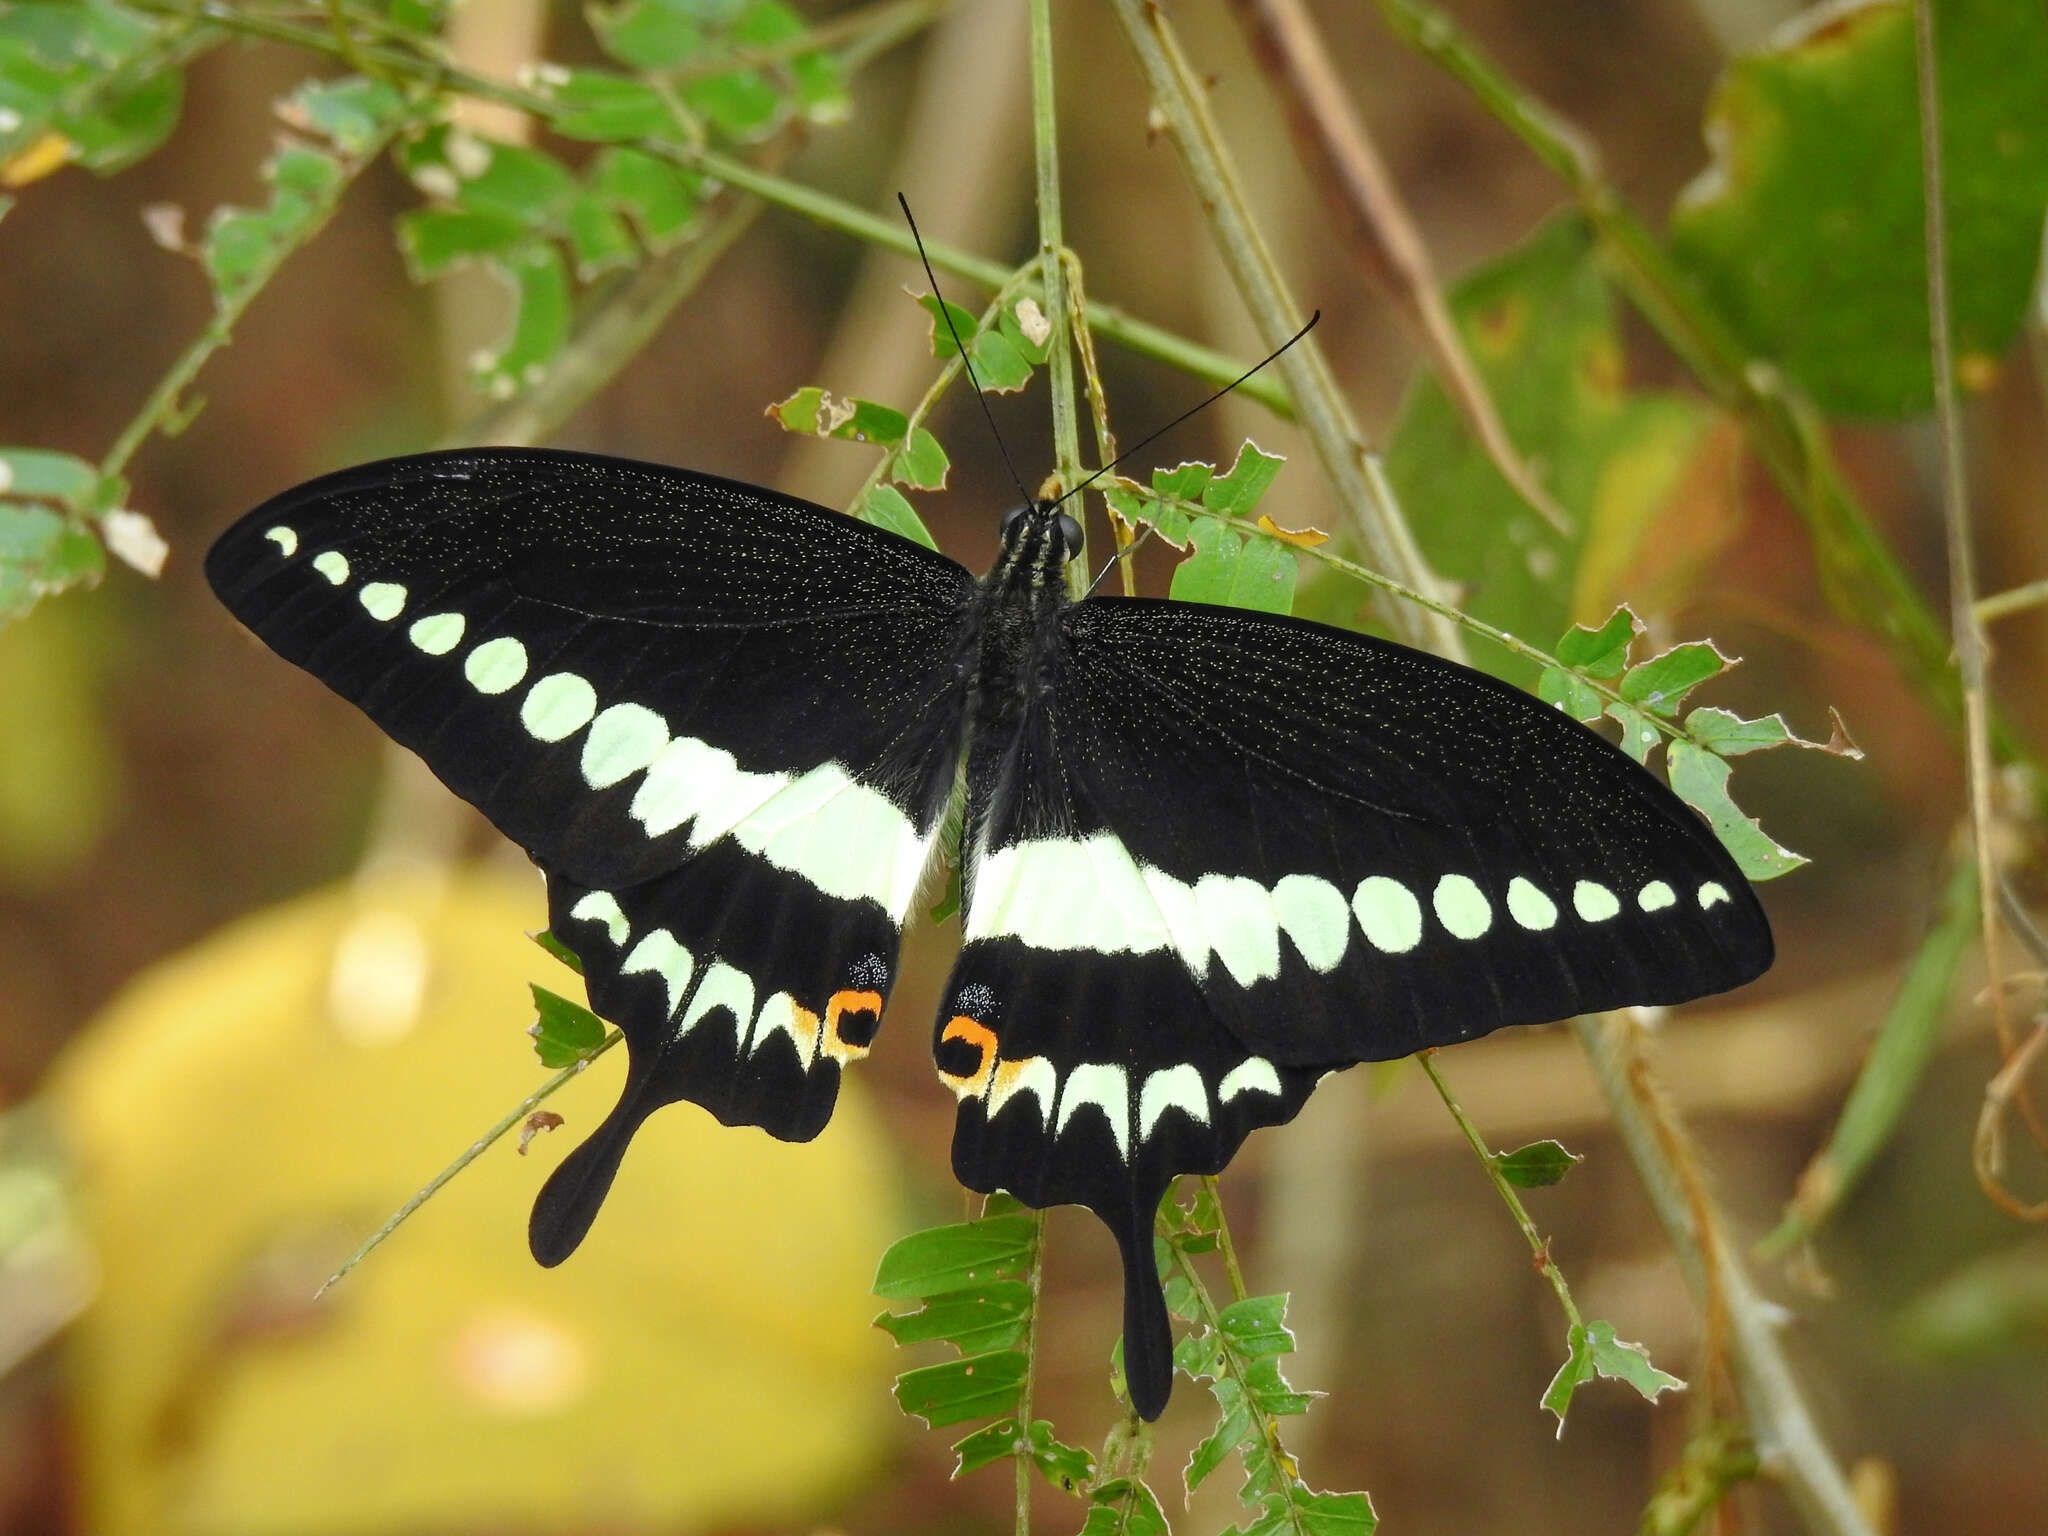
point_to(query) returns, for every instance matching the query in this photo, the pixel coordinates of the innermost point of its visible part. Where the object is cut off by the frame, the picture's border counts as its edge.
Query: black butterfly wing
(723, 722)
(1231, 851)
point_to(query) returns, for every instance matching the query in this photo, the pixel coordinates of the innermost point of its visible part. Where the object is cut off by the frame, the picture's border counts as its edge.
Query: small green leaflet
(1595, 1351)
(887, 507)
(1700, 779)
(564, 1033)
(1536, 1166)
(972, 1280)
(1001, 354)
(1124, 1506)
(1652, 693)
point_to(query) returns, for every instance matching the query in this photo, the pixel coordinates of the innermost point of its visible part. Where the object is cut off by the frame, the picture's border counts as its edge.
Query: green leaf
(887, 507)
(42, 553)
(1641, 474)
(941, 337)
(1066, 1467)
(742, 105)
(651, 35)
(1237, 493)
(1806, 232)
(562, 952)
(1600, 651)
(999, 367)
(1593, 1350)
(350, 113)
(993, 1315)
(992, 1442)
(43, 474)
(1536, 1166)
(974, 1388)
(1639, 734)
(942, 1259)
(596, 104)
(1660, 684)
(599, 240)
(1232, 1427)
(1124, 1506)
(1301, 1511)
(512, 180)
(433, 240)
(920, 463)
(1020, 320)
(1700, 779)
(1729, 735)
(1236, 570)
(661, 199)
(821, 413)
(540, 322)
(564, 1032)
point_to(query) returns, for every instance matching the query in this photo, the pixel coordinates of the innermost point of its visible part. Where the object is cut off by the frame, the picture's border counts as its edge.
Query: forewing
(722, 721)
(1356, 849)
(552, 631)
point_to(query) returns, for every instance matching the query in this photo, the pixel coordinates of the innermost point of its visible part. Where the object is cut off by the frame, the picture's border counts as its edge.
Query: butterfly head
(1040, 533)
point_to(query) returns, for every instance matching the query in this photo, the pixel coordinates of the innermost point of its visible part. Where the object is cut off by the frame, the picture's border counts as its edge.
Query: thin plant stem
(1966, 629)
(1180, 97)
(162, 404)
(828, 212)
(1539, 1245)
(1793, 1452)
(481, 1145)
(1066, 424)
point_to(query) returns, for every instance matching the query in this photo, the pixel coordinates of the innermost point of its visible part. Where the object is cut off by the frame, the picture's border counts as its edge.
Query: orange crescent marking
(979, 1035)
(837, 1007)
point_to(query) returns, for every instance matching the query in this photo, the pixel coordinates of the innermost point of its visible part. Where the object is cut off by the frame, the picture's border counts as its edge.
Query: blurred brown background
(162, 776)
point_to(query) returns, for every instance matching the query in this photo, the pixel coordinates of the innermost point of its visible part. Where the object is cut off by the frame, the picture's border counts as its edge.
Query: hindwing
(1228, 852)
(723, 722)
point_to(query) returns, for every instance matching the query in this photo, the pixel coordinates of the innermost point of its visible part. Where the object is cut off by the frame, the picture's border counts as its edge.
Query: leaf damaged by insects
(1593, 1350)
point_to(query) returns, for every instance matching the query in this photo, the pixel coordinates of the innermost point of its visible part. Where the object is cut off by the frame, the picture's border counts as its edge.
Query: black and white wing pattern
(1225, 853)
(723, 722)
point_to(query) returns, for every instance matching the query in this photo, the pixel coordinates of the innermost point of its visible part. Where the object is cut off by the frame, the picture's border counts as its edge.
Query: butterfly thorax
(1017, 610)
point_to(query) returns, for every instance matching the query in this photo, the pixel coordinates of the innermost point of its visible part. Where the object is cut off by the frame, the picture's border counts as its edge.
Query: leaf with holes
(1700, 779)
(1593, 1350)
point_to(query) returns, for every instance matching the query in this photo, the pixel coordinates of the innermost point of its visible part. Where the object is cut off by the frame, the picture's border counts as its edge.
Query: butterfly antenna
(1159, 432)
(946, 314)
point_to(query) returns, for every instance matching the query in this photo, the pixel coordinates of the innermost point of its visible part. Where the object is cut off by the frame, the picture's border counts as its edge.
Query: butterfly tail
(1148, 1335)
(569, 1201)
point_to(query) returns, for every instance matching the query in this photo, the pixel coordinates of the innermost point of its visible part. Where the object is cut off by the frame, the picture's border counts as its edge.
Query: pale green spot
(1389, 914)
(623, 740)
(438, 633)
(1529, 906)
(1656, 896)
(384, 600)
(332, 564)
(558, 706)
(496, 665)
(1594, 902)
(286, 540)
(1314, 914)
(1462, 907)
(1713, 891)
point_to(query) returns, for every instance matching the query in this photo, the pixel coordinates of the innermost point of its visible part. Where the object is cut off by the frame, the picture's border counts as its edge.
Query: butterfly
(1208, 855)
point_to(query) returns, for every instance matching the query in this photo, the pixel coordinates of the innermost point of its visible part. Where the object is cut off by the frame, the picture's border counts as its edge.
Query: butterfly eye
(1070, 534)
(1010, 521)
